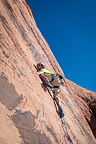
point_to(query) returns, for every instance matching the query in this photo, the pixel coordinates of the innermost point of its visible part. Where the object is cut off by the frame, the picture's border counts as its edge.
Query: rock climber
(50, 79)
(45, 75)
(53, 81)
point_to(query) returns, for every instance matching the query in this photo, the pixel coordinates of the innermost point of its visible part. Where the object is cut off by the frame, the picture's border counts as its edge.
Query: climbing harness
(52, 75)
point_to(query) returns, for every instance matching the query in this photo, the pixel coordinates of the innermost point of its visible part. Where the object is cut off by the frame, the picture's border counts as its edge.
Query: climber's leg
(55, 91)
(60, 112)
(47, 85)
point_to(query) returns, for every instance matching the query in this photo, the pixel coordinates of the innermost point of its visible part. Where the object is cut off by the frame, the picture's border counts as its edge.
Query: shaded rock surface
(27, 112)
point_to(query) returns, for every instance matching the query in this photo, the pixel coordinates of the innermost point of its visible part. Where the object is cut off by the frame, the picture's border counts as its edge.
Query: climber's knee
(47, 85)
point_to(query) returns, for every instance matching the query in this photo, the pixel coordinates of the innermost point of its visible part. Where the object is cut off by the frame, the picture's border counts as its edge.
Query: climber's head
(40, 66)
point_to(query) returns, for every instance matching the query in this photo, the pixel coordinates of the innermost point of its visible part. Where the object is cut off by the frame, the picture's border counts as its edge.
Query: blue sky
(69, 27)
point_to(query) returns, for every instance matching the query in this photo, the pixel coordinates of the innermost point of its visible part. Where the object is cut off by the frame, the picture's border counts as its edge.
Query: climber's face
(38, 66)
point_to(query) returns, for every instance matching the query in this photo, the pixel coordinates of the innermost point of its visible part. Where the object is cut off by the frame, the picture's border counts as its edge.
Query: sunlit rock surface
(27, 112)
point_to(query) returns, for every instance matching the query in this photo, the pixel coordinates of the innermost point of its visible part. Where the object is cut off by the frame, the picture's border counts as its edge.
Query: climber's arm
(41, 72)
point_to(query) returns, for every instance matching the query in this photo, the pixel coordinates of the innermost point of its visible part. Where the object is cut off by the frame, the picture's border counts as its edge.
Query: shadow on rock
(8, 94)
(25, 122)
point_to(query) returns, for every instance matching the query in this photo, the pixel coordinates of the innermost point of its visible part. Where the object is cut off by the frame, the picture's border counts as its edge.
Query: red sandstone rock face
(27, 112)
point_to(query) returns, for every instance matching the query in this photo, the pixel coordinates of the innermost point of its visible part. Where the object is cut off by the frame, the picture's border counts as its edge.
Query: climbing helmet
(40, 65)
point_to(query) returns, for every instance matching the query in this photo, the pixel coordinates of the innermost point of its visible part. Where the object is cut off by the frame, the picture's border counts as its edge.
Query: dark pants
(60, 112)
(47, 85)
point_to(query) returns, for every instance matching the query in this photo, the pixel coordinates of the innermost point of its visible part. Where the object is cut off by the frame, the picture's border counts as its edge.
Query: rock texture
(27, 112)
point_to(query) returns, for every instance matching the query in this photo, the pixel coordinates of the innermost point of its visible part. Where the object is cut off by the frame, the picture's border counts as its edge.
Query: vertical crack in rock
(15, 20)
(5, 54)
(4, 22)
(51, 130)
(80, 124)
(35, 53)
(7, 4)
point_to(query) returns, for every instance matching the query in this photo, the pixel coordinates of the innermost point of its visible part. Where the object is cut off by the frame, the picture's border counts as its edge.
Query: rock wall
(27, 112)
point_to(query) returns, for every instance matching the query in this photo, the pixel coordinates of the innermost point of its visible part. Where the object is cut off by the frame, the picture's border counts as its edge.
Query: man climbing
(50, 79)
(45, 75)
(53, 81)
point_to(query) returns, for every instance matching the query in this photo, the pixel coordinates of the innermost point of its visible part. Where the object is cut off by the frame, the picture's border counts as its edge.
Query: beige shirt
(56, 81)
